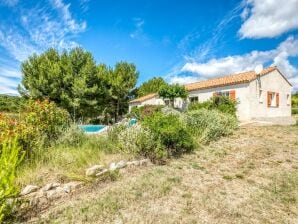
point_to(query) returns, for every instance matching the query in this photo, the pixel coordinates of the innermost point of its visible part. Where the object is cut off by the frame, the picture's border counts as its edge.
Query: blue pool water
(91, 128)
(132, 122)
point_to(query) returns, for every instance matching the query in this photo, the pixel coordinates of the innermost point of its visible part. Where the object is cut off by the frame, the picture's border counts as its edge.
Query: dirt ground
(249, 177)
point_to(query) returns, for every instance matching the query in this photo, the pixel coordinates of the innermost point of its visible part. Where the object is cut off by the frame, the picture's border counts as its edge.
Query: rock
(121, 164)
(71, 186)
(144, 162)
(55, 193)
(50, 186)
(29, 189)
(133, 163)
(102, 172)
(93, 170)
(112, 166)
(67, 189)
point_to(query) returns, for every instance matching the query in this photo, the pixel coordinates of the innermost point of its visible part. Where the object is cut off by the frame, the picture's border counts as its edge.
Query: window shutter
(277, 99)
(233, 95)
(268, 99)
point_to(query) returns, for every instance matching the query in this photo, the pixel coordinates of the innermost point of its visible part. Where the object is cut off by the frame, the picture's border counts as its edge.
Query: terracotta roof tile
(242, 77)
(143, 98)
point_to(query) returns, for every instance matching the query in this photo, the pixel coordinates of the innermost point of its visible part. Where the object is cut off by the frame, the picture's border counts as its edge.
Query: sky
(181, 41)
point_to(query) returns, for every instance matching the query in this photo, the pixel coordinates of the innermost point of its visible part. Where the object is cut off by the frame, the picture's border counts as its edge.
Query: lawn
(248, 177)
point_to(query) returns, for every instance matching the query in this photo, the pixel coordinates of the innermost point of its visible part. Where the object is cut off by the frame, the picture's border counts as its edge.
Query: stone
(102, 172)
(55, 193)
(50, 186)
(93, 170)
(144, 162)
(29, 189)
(67, 189)
(133, 163)
(121, 164)
(112, 166)
(71, 186)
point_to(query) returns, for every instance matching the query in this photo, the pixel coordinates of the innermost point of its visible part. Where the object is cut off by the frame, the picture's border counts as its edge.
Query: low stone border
(42, 195)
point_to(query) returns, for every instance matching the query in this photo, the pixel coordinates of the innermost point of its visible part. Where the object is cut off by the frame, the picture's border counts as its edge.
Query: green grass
(248, 177)
(64, 163)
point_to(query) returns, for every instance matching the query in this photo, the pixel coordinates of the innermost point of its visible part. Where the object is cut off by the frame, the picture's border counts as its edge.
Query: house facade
(258, 96)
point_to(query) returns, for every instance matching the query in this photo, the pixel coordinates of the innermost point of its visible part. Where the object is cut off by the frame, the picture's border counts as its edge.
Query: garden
(42, 143)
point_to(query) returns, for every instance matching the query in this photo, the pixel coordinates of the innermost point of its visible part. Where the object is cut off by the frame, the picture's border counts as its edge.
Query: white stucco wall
(272, 82)
(242, 97)
(249, 105)
(152, 101)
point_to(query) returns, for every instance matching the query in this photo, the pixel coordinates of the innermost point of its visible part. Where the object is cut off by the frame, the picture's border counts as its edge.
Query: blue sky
(182, 41)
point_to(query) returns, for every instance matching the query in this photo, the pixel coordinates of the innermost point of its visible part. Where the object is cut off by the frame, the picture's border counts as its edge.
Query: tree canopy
(119, 82)
(11, 104)
(151, 86)
(173, 91)
(73, 81)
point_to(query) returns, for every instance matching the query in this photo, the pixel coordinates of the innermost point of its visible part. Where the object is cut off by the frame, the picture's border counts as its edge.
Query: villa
(262, 96)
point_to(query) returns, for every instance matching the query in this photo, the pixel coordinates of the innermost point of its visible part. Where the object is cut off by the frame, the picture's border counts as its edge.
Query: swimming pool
(92, 129)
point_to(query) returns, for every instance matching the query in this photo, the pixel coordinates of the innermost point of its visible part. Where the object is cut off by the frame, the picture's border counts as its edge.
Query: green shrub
(73, 137)
(141, 141)
(171, 110)
(47, 119)
(11, 104)
(210, 124)
(171, 132)
(221, 103)
(295, 110)
(144, 111)
(40, 124)
(10, 157)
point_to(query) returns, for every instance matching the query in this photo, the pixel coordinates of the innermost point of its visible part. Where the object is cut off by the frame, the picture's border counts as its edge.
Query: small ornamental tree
(172, 91)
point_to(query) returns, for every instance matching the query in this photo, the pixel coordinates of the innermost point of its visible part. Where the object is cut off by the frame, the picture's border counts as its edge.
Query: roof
(143, 98)
(227, 80)
(243, 77)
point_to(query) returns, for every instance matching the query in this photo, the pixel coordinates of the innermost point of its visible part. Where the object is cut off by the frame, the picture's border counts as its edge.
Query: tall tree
(151, 86)
(172, 91)
(119, 81)
(69, 79)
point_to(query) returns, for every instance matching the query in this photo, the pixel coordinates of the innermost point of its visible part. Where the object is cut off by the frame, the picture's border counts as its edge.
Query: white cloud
(138, 25)
(9, 3)
(34, 30)
(71, 23)
(183, 79)
(16, 44)
(237, 63)
(268, 18)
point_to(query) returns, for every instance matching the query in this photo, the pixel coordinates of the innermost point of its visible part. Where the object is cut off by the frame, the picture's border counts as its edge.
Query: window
(167, 102)
(261, 96)
(194, 99)
(288, 99)
(223, 93)
(229, 94)
(272, 99)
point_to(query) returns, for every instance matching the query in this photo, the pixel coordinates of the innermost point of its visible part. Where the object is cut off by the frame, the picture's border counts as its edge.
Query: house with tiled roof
(259, 96)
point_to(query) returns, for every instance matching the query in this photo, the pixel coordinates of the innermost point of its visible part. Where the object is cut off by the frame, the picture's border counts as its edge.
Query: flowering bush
(40, 123)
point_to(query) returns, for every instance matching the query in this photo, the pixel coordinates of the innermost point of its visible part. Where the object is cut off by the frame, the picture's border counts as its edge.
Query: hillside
(251, 176)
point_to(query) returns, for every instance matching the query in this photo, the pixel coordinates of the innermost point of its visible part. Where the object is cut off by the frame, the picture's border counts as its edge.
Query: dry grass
(249, 177)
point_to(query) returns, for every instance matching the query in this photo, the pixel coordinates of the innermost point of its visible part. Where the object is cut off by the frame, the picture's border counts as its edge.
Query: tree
(70, 79)
(172, 91)
(11, 104)
(151, 86)
(119, 82)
